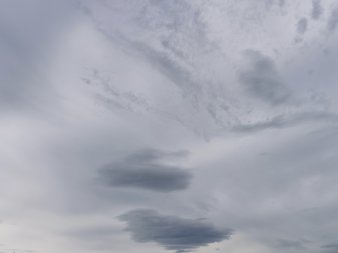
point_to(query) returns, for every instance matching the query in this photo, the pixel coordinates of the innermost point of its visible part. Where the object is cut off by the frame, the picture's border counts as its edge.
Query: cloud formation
(317, 9)
(247, 87)
(262, 80)
(172, 232)
(329, 248)
(332, 22)
(145, 169)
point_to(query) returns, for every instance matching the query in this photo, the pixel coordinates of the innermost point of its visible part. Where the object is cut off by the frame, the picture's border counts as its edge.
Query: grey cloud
(317, 9)
(146, 169)
(302, 25)
(172, 232)
(152, 177)
(261, 79)
(202, 98)
(332, 22)
(330, 248)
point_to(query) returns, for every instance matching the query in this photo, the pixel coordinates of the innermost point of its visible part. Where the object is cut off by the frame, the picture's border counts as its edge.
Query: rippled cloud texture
(153, 126)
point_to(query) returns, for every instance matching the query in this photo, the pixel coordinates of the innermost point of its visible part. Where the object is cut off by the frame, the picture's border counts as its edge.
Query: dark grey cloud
(152, 177)
(317, 9)
(146, 169)
(302, 25)
(332, 22)
(330, 248)
(262, 80)
(172, 232)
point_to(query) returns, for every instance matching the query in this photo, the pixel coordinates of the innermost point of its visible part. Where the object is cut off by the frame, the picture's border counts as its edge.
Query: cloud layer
(144, 170)
(164, 112)
(172, 232)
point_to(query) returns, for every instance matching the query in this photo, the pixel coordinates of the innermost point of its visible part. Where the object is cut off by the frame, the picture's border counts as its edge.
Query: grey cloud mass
(143, 170)
(172, 232)
(317, 9)
(330, 248)
(262, 80)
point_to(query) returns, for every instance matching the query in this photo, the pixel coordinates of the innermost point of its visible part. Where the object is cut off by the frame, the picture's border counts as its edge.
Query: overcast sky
(154, 126)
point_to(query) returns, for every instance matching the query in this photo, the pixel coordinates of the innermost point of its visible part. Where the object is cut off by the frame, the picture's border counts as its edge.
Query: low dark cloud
(172, 232)
(317, 9)
(330, 248)
(147, 169)
(261, 79)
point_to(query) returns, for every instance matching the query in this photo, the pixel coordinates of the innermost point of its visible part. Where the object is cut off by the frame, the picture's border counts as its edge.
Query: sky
(154, 126)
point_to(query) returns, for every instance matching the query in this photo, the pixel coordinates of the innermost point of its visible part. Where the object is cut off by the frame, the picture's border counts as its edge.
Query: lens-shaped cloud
(172, 232)
(146, 170)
